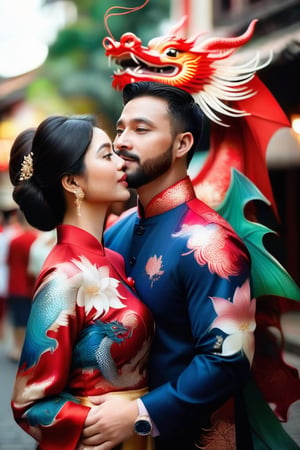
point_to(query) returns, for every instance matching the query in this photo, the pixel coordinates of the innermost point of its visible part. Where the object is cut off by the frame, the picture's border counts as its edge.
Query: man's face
(144, 140)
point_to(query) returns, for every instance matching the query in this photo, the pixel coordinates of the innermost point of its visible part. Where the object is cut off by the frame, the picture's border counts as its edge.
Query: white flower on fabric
(237, 320)
(97, 289)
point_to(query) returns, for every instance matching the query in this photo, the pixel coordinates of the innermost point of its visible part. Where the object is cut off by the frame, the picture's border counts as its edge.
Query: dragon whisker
(207, 110)
(228, 95)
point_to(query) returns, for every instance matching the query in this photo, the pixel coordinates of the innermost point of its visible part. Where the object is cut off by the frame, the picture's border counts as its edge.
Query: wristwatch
(143, 425)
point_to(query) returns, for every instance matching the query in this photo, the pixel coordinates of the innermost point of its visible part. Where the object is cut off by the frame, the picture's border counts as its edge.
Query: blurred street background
(12, 437)
(52, 62)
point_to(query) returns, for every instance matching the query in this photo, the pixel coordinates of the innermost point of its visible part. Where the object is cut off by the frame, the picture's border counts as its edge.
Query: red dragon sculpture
(243, 117)
(242, 122)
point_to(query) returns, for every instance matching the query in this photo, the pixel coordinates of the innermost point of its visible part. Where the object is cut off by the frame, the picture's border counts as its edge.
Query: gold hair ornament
(26, 171)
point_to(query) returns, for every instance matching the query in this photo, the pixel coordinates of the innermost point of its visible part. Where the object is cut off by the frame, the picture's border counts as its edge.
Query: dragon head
(198, 66)
(115, 330)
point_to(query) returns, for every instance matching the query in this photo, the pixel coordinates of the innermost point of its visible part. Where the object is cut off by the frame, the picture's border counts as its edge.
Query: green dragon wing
(268, 275)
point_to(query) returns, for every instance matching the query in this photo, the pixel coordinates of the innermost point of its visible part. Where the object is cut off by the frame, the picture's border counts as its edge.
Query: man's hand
(109, 422)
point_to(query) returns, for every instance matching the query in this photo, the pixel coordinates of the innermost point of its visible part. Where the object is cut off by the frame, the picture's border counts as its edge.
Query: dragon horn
(178, 29)
(229, 43)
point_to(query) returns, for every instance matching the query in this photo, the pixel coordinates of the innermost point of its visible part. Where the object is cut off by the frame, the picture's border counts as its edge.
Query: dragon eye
(172, 52)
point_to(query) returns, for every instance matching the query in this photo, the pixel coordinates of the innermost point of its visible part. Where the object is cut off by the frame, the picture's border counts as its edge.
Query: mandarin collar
(70, 234)
(175, 195)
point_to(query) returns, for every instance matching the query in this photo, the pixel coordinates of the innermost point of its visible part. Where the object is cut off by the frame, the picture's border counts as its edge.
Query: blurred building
(26, 31)
(278, 31)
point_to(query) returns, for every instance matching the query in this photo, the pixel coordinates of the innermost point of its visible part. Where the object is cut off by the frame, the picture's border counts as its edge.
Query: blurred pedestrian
(9, 227)
(20, 283)
(39, 251)
(3, 274)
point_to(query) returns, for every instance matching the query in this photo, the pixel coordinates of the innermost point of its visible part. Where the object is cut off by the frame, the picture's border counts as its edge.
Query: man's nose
(122, 141)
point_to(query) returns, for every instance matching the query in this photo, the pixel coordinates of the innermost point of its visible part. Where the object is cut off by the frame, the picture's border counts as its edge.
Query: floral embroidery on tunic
(209, 244)
(153, 268)
(237, 319)
(221, 434)
(96, 288)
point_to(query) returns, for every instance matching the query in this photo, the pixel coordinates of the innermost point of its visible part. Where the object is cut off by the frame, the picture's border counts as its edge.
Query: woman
(87, 333)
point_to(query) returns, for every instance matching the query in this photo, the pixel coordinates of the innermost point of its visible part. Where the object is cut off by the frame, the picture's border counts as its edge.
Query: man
(193, 272)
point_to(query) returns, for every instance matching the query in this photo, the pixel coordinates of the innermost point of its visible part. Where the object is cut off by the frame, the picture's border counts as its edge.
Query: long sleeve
(221, 316)
(41, 402)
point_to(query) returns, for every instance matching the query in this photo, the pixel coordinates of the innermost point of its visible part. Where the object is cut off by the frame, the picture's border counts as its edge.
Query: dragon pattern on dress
(88, 334)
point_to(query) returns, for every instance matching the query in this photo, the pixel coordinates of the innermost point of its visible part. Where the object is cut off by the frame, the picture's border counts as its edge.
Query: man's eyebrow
(136, 120)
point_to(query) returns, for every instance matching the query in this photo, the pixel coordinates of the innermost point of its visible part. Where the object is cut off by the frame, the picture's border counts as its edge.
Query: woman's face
(104, 179)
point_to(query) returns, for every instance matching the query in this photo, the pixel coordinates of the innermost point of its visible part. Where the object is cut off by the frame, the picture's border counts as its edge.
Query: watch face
(143, 427)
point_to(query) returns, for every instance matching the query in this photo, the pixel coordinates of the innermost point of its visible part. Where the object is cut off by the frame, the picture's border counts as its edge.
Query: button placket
(138, 231)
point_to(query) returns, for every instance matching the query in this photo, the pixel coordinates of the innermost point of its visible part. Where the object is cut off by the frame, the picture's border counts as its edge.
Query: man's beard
(151, 169)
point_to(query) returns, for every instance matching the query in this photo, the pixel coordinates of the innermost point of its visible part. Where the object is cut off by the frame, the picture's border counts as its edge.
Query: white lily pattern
(96, 288)
(237, 320)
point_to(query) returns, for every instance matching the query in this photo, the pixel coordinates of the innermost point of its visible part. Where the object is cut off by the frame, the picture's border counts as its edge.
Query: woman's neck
(91, 219)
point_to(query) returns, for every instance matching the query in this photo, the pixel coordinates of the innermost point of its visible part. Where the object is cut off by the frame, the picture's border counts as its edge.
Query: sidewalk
(12, 437)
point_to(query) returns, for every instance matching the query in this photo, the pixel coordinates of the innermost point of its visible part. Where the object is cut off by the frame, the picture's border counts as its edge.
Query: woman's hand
(109, 422)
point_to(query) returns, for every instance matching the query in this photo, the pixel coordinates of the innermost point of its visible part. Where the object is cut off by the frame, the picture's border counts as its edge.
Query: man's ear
(69, 183)
(184, 142)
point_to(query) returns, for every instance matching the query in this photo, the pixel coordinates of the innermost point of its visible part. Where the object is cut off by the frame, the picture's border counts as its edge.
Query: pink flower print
(153, 268)
(210, 246)
(237, 320)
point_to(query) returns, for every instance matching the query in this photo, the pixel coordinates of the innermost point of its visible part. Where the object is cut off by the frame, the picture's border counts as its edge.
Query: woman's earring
(79, 196)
